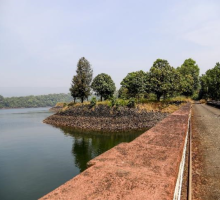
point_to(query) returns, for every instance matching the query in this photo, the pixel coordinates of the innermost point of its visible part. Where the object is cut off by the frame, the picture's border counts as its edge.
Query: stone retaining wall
(104, 118)
(146, 168)
(214, 103)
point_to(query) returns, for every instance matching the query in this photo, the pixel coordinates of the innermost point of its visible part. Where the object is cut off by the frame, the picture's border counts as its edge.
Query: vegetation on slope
(34, 101)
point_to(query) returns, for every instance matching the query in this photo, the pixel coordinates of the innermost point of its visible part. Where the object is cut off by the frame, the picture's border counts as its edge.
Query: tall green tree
(74, 89)
(135, 83)
(164, 79)
(211, 82)
(104, 86)
(80, 87)
(190, 68)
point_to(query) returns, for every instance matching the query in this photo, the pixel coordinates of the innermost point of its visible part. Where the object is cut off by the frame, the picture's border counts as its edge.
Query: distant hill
(49, 100)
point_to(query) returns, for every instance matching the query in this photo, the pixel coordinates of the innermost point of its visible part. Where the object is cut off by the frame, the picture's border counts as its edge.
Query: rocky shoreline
(104, 118)
(56, 109)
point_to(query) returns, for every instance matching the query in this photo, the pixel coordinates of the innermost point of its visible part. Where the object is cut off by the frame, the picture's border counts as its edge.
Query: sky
(41, 41)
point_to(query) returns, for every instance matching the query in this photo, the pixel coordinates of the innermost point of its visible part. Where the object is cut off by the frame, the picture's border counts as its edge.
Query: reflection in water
(36, 158)
(87, 144)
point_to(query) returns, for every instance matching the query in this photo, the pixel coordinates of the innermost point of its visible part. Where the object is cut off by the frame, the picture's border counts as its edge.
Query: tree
(104, 86)
(186, 85)
(123, 93)
(164, 79)
(190, 68)
(136, 84)
(80, 87)
(74, 89)
(211, 82)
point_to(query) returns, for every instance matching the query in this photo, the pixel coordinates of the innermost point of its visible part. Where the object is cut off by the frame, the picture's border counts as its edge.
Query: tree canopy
(80, 87)
(187, 69)
(135, 83)
(186, 85)
(104, 86)
(164, 79)
(210, 83)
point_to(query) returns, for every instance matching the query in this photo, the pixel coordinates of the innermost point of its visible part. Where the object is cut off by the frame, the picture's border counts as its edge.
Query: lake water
(36, 158)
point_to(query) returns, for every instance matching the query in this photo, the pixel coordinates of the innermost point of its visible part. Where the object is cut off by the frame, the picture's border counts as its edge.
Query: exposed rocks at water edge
(56, 109)
(104, 118)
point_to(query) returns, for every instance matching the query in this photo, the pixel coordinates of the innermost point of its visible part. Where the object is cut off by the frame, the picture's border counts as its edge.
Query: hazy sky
(41, 41)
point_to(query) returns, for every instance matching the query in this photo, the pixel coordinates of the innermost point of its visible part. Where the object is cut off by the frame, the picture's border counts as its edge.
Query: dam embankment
(150, 167)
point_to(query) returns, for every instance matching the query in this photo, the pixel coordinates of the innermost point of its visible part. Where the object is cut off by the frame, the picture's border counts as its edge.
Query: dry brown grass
(103, 103)
(159, 107)
(162, 106)
(203, 101)
(60, 104)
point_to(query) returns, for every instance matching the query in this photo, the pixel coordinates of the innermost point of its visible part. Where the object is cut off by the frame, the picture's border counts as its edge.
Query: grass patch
(161, 106)
(165, 106)
(60, 104)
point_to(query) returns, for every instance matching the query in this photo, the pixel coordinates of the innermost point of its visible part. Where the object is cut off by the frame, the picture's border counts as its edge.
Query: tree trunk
(74, 99)
(164, 96)
(82, 100)
(158, 97)
(101, 98)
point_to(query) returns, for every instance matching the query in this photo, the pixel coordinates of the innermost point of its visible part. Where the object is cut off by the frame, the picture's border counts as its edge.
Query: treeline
(210, 84)
(34, 101)
(162, 80)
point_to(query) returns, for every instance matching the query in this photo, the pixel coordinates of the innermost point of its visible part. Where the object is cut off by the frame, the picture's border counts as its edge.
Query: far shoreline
(24, 108)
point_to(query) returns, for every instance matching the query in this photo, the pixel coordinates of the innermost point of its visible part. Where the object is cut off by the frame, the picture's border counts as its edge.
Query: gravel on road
(206, 152)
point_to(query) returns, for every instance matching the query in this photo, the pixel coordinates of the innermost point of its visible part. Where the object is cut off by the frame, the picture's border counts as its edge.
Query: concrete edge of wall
(179, 182)
(150, 167)
(214, 103)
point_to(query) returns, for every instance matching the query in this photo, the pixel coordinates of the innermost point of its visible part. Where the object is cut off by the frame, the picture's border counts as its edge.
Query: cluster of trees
(34, 101)
(162, 80)
(82, 83)
(210, 83)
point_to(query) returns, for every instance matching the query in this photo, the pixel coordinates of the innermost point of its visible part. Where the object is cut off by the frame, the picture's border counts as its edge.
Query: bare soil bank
(104, 118)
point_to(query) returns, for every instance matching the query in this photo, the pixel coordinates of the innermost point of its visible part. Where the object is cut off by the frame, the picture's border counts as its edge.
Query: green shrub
(112, 102)
(93, 102)
(122, 102)
(131, 103)
(195, 96)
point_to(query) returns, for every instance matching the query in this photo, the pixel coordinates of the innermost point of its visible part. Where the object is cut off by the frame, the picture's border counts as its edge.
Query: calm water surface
(36, 158)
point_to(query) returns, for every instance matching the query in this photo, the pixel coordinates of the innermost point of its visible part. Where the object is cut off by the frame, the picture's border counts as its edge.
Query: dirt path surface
(206, 152)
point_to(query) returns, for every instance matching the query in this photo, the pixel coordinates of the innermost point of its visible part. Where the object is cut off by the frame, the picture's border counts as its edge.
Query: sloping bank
(150, 167)
(104, 118)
